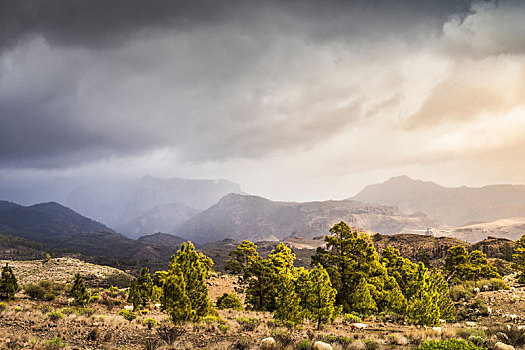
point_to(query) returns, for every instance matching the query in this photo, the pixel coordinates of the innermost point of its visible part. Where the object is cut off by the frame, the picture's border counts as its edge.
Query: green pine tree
(195, 272)
(461, 265)
(241, 258)
(446, 307)
(145, 286)
(518, 259)
(423, 305)
(287, 308)
(174, 300)
(79, 291)
(320, 297)
(134, 294)
(260, 286)
(8, 283)
(361, 280)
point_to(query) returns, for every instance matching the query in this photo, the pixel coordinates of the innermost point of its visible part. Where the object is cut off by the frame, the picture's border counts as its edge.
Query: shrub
(35, 291)
(55, 343)
(229, 301)
(351, 318)
(451, 344)
(79, 311)
(55, 316)
(304, 344)
(128, 315)
(460, 291)
(283, 338)
(223, 327)
(477, 340)
(466, 333)
(151, 344)
(248, 323)
(510, 335)
(45, 309)
(150, 322)
(44, 290)
(3, 307)
(371, 344)
(170, 334)
(210, 319)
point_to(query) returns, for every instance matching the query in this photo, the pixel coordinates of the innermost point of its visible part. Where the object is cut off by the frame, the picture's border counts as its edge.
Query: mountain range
(454, 206)
(147, 205)
(162, 213)
(255, 218)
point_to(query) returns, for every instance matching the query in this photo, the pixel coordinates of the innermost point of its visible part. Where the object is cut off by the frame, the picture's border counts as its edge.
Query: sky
(294, 100)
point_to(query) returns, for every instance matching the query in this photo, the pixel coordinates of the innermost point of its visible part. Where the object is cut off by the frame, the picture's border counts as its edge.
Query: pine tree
(461, 265)
(242, 257)
(79, 291)
(320, 297)
(174, 300)
(361, 301)
(446, 307)
(260, 286)
(134, 294)
(8, 283)
(287, 302)
(361, 281)
(145, 286)
(423, 306)
(518, 259)
(195, 272)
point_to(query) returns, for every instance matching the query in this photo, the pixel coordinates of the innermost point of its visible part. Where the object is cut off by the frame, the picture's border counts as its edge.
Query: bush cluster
(44, 290)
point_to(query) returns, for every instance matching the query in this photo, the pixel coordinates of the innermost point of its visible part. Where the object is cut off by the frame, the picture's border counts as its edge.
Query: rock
(357, 345)
(319, 345)
(502, 346)
(437, 329)
(358, 325)
(470, 324)
(399, 339)
(268, 343)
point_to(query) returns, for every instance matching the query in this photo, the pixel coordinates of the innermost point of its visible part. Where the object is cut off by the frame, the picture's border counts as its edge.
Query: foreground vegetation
(352, 298)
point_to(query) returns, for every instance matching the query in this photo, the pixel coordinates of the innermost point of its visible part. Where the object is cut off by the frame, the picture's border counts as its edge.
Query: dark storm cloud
(99, 23)
(86, 80)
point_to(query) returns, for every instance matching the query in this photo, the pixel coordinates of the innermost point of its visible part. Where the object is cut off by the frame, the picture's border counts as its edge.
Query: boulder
(268, 343)
(502, 346)
(319, 345)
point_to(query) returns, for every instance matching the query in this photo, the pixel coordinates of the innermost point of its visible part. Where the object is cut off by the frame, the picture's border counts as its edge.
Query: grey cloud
(99, 23)
(88, 80)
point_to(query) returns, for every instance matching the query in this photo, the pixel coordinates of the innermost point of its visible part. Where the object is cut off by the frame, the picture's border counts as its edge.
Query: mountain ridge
(455, 206)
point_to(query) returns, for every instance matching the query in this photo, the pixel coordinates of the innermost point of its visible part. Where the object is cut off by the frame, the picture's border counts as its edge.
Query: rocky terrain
(510, 228)
(452, 206)
(255, 218)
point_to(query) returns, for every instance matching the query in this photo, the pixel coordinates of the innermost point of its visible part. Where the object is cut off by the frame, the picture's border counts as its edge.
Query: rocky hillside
(118, 203)
(511, 228)
(46, 222)
(258, 219)
(452, 206)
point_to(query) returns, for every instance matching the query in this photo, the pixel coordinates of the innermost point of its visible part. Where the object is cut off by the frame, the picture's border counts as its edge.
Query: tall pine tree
(195, 271)
(79, 291)
(320, 297)
(8, 283)
(361, 281)
(174, 299)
